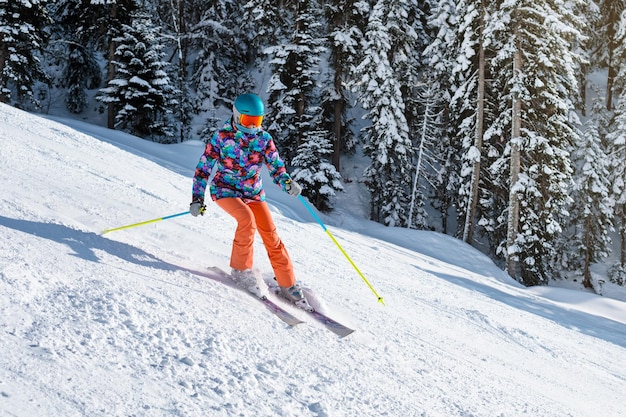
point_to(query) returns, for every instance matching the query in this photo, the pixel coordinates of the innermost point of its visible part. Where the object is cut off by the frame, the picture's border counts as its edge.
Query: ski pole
(145, 222)
(316, 217)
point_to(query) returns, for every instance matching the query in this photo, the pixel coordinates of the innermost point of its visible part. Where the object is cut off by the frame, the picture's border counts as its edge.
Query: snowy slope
(113, 325)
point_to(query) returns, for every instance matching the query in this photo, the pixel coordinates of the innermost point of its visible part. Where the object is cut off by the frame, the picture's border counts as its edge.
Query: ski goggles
(250, 121)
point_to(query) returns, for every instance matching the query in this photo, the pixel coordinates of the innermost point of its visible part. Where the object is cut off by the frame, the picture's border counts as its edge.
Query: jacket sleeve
(203, 169)
(275, 164)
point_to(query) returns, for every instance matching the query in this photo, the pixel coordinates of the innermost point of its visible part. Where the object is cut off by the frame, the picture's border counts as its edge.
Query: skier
(239, 149)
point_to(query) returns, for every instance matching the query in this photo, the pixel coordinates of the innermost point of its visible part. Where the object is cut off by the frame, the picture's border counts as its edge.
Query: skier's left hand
(293, 188)
(196, 208)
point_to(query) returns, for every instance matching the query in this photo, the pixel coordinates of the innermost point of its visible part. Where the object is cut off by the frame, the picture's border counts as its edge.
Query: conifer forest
(502, 123)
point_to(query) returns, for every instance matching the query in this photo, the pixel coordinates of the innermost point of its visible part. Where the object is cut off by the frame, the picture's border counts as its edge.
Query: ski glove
(293, 188)
(196, 208)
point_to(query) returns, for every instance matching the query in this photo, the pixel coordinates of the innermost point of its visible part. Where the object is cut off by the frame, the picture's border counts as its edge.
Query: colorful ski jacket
(239, 158)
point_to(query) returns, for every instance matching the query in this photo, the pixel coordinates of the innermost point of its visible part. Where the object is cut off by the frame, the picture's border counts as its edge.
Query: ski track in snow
(113, 325)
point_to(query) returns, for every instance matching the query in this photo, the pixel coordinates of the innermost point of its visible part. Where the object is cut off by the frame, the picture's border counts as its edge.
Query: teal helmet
(248, 112)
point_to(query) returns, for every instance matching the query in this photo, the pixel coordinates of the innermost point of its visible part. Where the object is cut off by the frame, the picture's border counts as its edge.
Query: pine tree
(22, 38)
(117, 15)
(588, 48)
(82, 73)
(221, 70)
(441, 56)
(540, 91)
(591, 212)
(617, 142)
(319, 178)
(346, 22)
(293, 98)
(176, 17)
(456, 69)
(606, 42)
(86, 29)
(77, 39)
(471, 26)
(272, 22)
(427, 142)
(141, 91)
(380, 80)
(295, 116)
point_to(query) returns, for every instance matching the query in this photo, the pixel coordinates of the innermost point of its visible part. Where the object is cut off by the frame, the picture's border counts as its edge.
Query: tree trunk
(514, 203)
(420, 153)
(583, 89)
(612, 73)
(3, 55)
(586, 271)
(111, 72)
(338, 105)
(470, 215)
(622, 234)
(300, 106)
(613, 61)
(181, 36)
(337, 124)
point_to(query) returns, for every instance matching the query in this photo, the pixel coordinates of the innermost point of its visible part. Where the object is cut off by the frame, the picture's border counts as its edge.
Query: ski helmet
(248, 112)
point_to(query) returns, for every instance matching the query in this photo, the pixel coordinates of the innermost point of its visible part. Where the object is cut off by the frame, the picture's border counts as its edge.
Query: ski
(219, 275)
(281, 313)
(331, 324)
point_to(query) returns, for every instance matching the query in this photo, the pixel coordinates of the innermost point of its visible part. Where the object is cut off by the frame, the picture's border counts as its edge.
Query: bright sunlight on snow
(116, 325)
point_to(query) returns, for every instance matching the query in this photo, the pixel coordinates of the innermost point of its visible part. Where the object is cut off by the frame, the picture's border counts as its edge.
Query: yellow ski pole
(145, 222)
(316, 217)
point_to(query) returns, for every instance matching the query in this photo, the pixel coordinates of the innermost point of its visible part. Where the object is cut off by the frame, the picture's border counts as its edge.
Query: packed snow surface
(114, 324)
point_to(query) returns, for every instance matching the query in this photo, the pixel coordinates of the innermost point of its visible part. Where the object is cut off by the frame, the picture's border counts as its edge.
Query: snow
(115, 325)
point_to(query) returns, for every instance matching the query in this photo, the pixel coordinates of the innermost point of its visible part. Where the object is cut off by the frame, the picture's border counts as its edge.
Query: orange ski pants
(252, 217)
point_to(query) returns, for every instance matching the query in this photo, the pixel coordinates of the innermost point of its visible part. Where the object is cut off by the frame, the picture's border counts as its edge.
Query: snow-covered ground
(114, 325)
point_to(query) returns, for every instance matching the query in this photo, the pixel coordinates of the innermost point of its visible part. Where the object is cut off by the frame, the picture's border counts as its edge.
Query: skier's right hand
(196, 208)
(293, 188)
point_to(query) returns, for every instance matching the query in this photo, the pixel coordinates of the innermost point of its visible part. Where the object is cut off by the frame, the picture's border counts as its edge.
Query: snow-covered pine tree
(591, 211)
(469, 102)
(76, 39)
(423, 103)
(271, 25)
(617, 148)
(116, 14)
(380, 88)
(141, 90)
(346, 22)
(176, 18)
(442, 18)
(427, 138)
(293, 100)
(221, 70)
(270, 22)
(455, 67)
(296, 120)
(537, 43)
(82, 73)
(22, 38)
(588, 49)
(312, 169)
(606, 42)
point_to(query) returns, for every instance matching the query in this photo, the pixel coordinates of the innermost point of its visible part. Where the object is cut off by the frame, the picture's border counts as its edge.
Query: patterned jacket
(239, 158)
